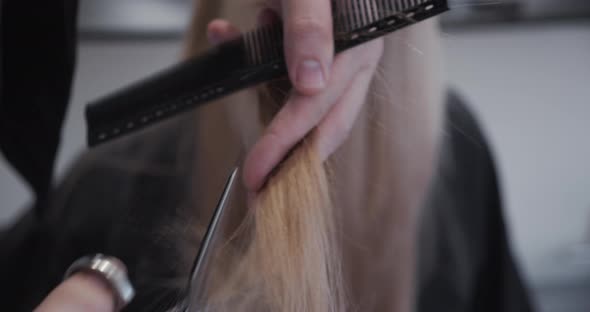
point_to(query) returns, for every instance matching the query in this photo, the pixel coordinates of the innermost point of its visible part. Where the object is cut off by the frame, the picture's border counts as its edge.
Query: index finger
(309, 43)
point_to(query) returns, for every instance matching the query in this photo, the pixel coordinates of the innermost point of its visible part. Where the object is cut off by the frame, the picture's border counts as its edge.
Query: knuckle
(379, 48)
(275, 139)
(369, 67)
(374, 52)
(371, 62)
(345, 128)
(342, 127)
(336, 137)
(311, 110)
(277, 134)
(367, 56)
(304, 27)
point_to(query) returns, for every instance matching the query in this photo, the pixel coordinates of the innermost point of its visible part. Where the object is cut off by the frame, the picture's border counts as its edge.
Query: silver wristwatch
(109, 269)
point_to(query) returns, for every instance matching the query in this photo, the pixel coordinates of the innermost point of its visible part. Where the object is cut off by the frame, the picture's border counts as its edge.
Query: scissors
(198, 273)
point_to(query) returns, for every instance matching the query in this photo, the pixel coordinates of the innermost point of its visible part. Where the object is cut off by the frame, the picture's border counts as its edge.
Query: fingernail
(310, 75)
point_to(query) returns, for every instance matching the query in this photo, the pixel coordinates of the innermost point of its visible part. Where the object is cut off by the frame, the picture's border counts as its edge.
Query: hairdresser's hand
(329, 92)
(80, 293)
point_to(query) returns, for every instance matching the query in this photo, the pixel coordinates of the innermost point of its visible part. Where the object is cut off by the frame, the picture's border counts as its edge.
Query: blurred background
(524, 66)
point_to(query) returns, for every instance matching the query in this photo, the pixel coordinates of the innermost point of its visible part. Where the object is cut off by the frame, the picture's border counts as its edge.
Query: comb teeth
(352, 19)
(353, 14)
(254, 58)
(264, 45)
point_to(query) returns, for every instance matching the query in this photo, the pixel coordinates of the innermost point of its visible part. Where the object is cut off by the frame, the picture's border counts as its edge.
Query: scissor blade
(199, 266)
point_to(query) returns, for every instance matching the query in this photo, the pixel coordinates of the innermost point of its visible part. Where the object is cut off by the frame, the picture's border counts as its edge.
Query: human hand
(95, 283)
(328, 91)
(81, 292)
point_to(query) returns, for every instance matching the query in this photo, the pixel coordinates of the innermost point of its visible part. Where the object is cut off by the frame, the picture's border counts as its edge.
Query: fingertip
(309, 44)
(214, 29)
(310, 59)
(219, 31)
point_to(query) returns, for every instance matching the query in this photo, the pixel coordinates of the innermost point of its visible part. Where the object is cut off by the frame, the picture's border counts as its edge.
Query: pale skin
(81, 292)
(329, 91)
(328, 95)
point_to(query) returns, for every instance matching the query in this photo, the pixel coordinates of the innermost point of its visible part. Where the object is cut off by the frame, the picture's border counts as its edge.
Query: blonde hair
(291, 261)
(294, 258)
(295, 237)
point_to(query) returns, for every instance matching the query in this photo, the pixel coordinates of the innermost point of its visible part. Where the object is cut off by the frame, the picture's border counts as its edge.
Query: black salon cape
(465, 259)
(37, 58)
(37, 50)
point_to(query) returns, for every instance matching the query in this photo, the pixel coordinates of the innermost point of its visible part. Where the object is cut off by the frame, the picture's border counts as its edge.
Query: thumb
(81, 292)
(309, 43)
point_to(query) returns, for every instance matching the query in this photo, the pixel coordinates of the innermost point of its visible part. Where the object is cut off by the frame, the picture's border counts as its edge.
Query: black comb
(254, 58)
